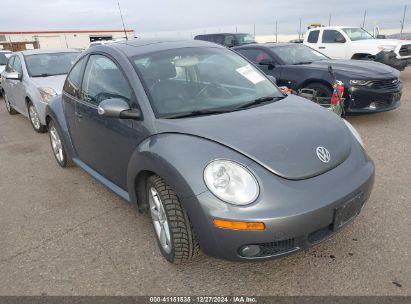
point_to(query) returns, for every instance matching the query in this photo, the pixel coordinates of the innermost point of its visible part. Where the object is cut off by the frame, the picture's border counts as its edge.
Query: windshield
(200, 79)
(43, 65)
(3, 59)
(245, 39)
(357, 34)
(297, 54)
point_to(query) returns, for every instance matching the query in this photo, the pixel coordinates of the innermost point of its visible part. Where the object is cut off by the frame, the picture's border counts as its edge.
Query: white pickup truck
(347, 42)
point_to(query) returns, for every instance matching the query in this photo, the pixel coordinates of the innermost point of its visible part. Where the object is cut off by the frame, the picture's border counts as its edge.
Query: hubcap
(6, 101)
(34, 117)
(159, 220)
(56, 144)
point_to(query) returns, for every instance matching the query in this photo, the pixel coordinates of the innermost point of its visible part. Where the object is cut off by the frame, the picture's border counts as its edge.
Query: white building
(18, 41)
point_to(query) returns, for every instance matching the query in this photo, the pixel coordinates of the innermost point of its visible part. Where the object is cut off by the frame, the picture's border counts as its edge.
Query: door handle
(322, 47)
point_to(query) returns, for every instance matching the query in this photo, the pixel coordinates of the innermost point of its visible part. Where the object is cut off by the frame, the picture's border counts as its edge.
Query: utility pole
(403, 21)
(329, 20)
(363, 21)
(276, 31)
(236, 28)
(122, 20)
(254, 29)
(299, 31)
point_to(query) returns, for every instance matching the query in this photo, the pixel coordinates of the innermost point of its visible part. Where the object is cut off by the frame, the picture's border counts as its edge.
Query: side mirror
(13, 76)
(272, 78)
(268, 62)
(117, 108)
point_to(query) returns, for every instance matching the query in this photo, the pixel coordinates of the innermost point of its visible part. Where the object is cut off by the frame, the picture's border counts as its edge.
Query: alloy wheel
(160, 222)
(7, 102)
(34, 117)
(56, 145)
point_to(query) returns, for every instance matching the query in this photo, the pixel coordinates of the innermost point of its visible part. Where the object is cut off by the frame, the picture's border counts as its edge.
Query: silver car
(4, 55)
(32, 78)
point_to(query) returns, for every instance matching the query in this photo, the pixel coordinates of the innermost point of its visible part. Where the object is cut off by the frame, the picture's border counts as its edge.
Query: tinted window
(245, 38)
(313, 37)
(255, 55)
(73, 81)
(3, 59)
(9, 67)
(50, 64)
(17, 66)
(103, 80)
(357, 34)
(297, 54)
(332, 36)
(229, 40)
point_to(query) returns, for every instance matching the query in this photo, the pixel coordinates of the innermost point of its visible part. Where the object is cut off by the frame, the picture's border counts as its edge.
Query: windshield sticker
(249, 73)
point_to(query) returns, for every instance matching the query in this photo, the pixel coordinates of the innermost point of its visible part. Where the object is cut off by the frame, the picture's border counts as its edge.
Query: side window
(9, 67)
(73, 81)
(103, 80)
(313, 36)
(255, 55)
(17, 66)
(229, 40)
(218, 39)
(332, 36)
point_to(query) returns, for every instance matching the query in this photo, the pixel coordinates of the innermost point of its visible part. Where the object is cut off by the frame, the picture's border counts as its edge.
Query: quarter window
(313, 37)
(103, 80)
(17, 66)
(332, 36)
(73, 81)
(9, 67)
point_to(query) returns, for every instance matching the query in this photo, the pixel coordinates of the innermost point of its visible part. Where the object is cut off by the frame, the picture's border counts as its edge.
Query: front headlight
(386, 48)
(354, 132)
(359, 82)
(47, 94)
(231, 182)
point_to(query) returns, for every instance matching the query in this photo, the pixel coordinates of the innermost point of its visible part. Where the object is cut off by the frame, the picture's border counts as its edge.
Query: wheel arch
(315, 80)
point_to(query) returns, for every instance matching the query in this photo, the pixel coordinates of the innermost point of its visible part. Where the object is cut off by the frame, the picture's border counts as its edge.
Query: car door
(105, 144)
(333, 44)
(6, 82)
(17, 88)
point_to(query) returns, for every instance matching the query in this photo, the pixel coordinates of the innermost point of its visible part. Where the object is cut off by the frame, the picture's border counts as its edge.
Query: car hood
(54, 82)
(358, 68)
(282, 136)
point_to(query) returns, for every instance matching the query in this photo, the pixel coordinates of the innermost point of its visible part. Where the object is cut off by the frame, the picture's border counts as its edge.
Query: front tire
(35, 119)
(9, 107)
(175, 235)
(322, 89)
(57, 146)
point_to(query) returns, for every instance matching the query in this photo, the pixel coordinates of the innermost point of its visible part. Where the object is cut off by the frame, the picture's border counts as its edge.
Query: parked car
(4, 55)
(32, 78)
(348, 42)
(222, 160)
(227, 39)
(369, 86)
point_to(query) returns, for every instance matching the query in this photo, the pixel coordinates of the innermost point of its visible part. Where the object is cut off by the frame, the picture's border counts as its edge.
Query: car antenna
(122, 20)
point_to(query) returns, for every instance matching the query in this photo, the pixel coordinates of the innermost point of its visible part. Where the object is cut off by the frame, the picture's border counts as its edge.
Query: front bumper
(297, 214)
(362, 99)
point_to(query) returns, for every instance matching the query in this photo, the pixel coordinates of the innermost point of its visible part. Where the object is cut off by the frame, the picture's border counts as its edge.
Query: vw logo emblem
(323, 154)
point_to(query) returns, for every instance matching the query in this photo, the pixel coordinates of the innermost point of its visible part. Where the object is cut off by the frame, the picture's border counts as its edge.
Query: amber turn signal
(238, 225)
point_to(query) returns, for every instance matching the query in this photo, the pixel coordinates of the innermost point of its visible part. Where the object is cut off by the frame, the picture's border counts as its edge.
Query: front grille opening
(268, 249)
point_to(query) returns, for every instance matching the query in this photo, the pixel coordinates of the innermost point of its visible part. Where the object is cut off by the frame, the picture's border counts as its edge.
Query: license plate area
(349, 210)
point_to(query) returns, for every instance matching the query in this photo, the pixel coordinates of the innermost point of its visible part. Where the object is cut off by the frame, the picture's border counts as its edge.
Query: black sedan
(369, 86)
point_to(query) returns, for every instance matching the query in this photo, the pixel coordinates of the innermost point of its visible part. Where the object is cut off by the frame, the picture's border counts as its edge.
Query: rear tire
(9, 107)
(35, 119)
(58, 148)
(175, 235)
(322, 89)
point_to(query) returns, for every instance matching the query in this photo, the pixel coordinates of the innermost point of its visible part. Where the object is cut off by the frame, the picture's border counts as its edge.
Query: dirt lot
(62, 233)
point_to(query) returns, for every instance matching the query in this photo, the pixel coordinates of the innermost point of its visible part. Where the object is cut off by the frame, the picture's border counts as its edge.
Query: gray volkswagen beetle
(198, 137)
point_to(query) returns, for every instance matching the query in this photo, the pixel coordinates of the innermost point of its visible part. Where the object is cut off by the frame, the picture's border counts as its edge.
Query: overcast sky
(189, 17)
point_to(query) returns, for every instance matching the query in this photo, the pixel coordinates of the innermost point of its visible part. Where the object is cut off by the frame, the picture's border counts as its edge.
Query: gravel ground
(63, 233)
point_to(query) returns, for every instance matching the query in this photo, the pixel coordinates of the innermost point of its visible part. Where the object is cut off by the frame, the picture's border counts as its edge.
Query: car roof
(266, 45)
(48, 51)
(137, 47)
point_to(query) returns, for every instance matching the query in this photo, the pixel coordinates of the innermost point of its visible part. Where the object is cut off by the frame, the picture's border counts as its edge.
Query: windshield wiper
(259, 101)
(196, 113)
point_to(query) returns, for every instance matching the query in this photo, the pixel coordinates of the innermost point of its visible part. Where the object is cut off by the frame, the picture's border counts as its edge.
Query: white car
(348, 42)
